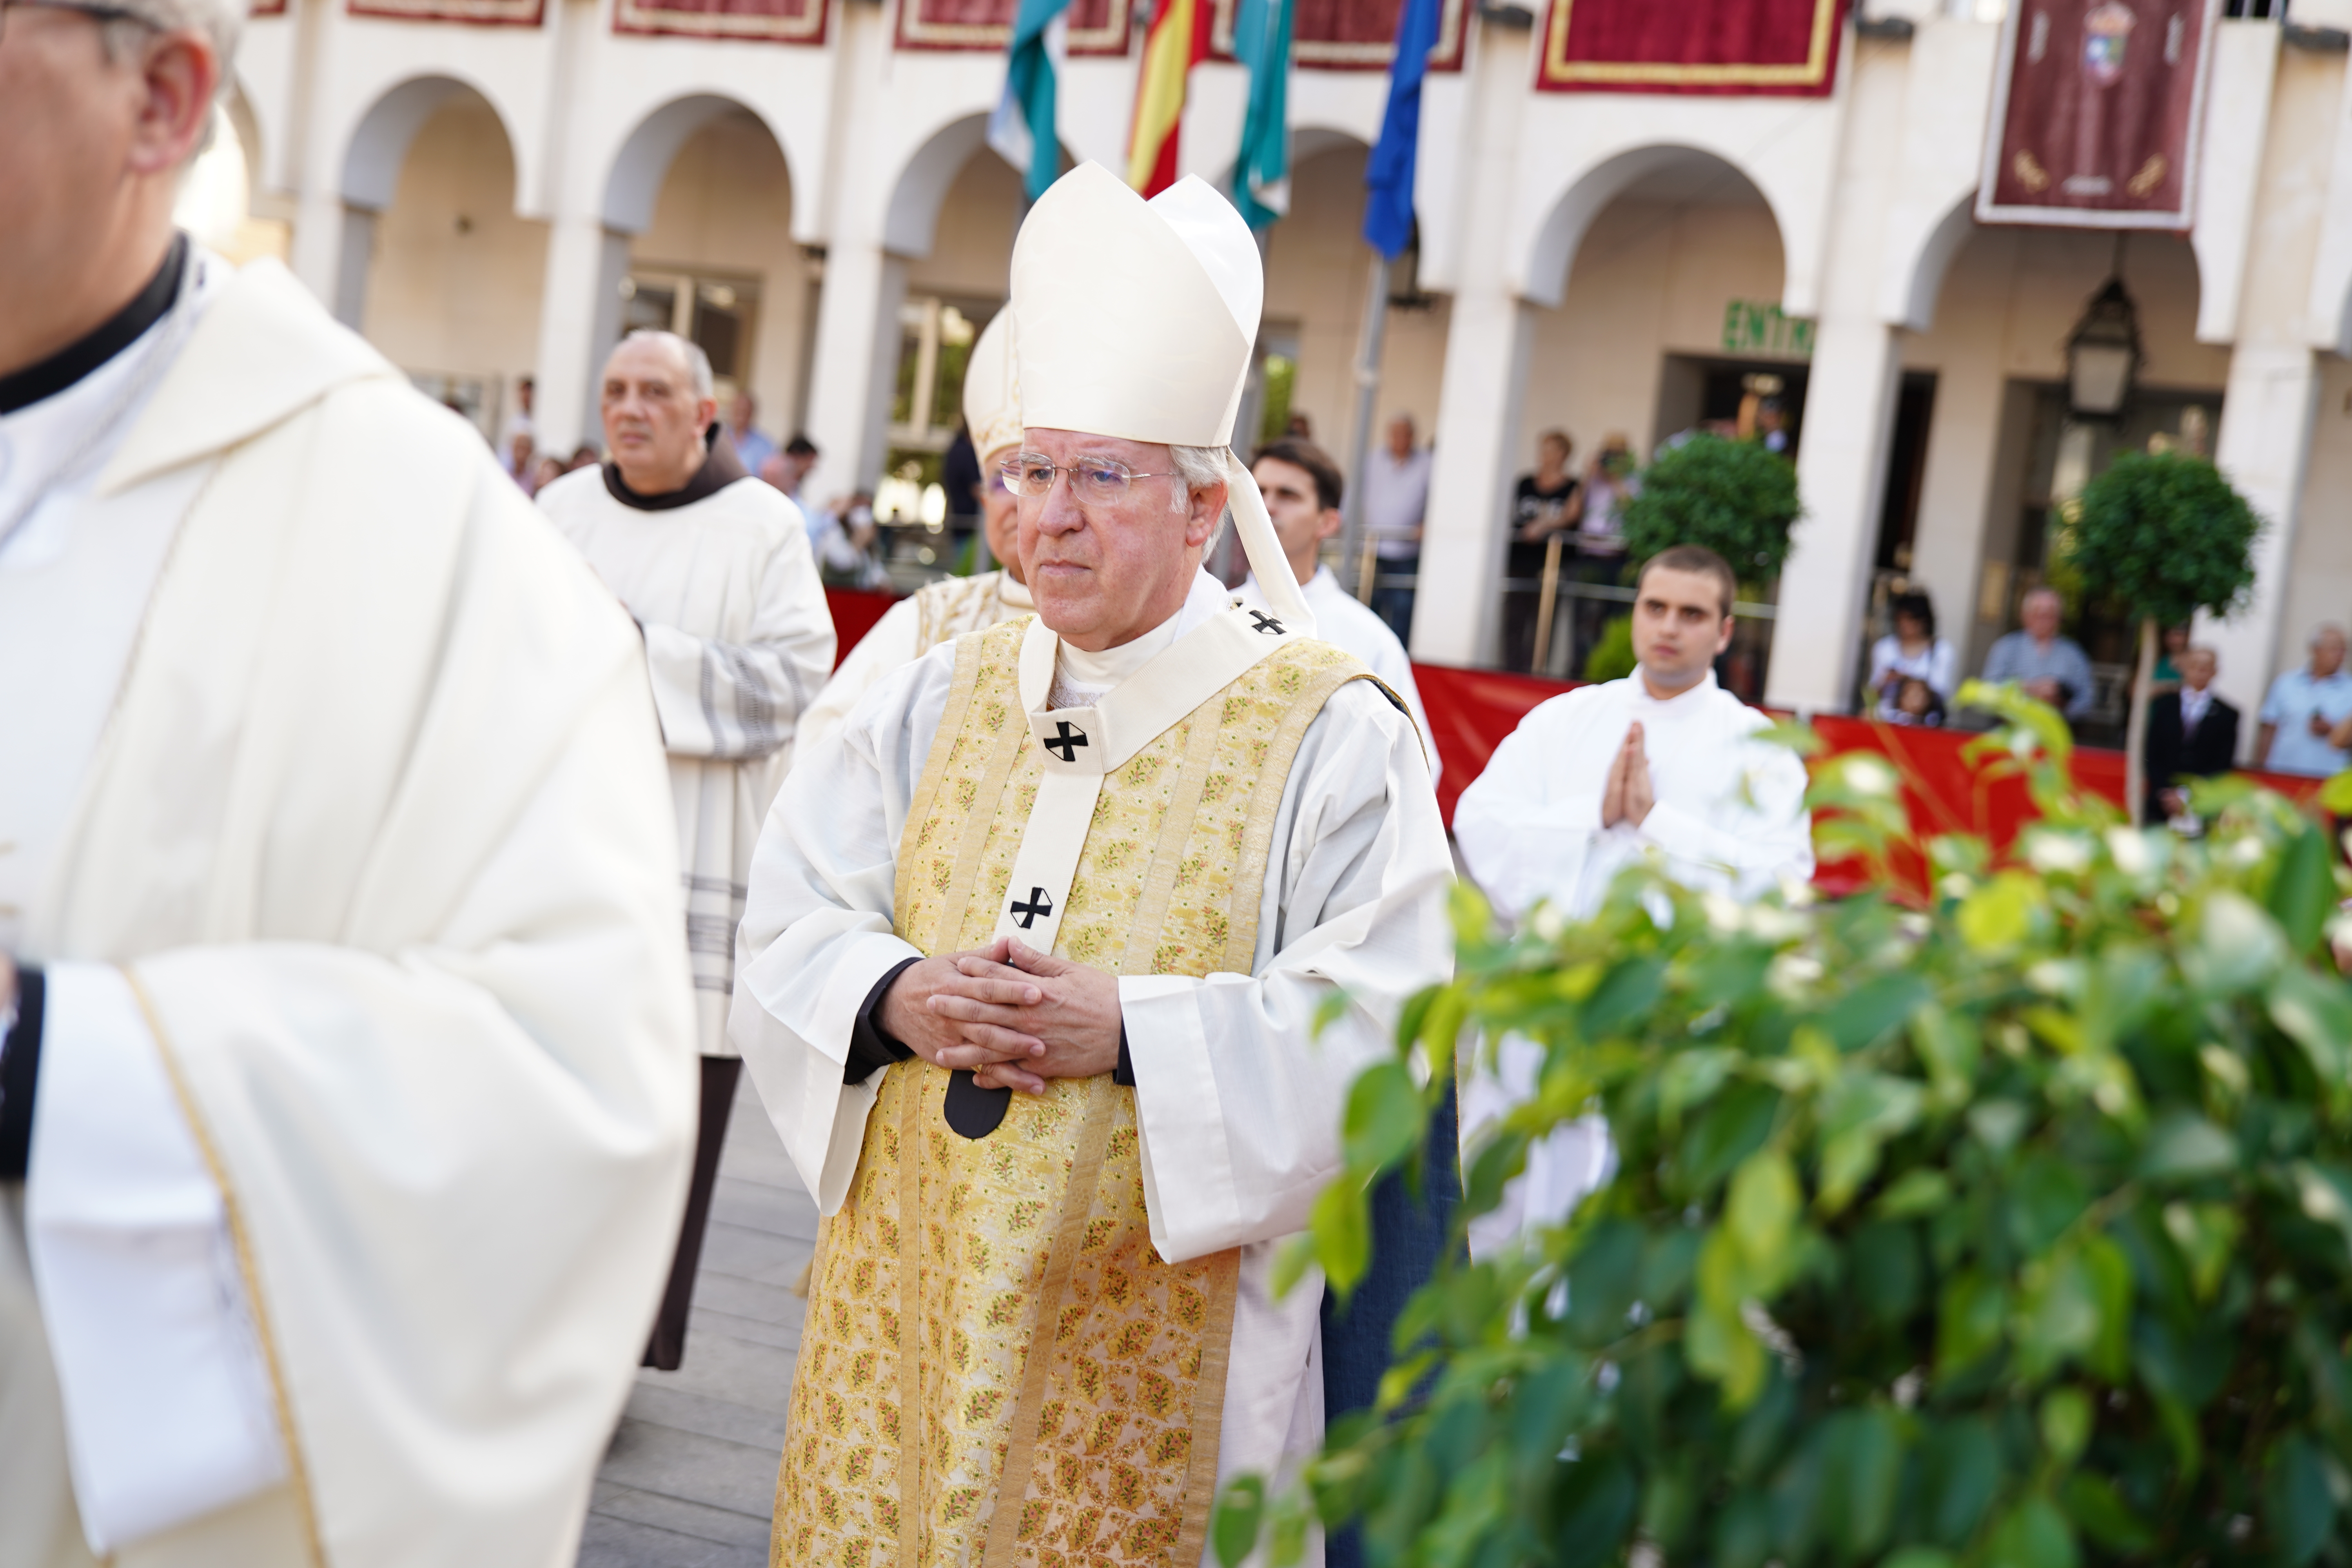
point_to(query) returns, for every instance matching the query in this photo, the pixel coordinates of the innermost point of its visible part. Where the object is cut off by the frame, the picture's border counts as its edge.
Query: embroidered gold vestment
(997, 1368)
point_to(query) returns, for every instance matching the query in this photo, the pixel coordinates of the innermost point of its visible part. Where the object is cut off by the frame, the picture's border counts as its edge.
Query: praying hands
(1627, 797)
(1011, 1014)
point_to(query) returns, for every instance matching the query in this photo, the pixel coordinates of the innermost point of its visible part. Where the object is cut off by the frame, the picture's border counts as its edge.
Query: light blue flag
(1262, 171)
(1024, 121)
(1388, 208)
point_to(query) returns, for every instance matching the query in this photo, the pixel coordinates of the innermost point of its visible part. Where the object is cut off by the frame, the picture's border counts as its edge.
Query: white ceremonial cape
(1348, 622)
(942, 612)
(1238, 1099)
(377, 830)
(737, 640)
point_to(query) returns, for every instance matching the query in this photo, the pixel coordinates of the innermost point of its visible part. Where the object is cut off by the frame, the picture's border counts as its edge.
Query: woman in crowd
(1911, 651)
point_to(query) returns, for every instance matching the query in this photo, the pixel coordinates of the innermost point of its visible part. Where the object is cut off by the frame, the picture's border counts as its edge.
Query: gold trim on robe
(922, 1374)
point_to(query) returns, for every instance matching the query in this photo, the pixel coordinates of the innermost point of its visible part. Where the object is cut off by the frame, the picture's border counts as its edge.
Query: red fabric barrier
(1472, 710)
(854, 615)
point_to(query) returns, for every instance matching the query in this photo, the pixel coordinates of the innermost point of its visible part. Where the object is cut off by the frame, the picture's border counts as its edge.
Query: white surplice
(366, 1076)
(908, 629)
(1347, 622)
(737, 640)
(1728, 816)
(1238, 1099)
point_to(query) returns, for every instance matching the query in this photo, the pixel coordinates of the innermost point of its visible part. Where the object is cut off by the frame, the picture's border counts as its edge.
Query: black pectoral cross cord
(1066, 740)
(1039, 907)
(1265, 623)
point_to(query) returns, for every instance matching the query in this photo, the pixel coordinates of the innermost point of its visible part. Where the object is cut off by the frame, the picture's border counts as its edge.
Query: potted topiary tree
(2015, 1230)
(1733, 497)
(2163, 535)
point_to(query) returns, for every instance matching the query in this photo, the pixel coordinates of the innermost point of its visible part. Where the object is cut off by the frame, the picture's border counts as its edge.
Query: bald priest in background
(1035, 951)
(347, 1078)
(715, 568)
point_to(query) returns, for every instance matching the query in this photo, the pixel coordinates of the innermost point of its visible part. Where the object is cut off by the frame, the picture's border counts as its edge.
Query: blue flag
(1388, 176)
(1262, 171)
(1024, 128)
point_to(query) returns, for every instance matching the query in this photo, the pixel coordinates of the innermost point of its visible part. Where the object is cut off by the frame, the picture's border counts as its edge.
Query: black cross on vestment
(1265, 623)
(1066, 740)
(1038, 907)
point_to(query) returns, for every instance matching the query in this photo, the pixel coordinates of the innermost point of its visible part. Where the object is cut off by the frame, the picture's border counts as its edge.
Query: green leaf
(1604, 1281)
(1919, 1557)
(1864, 1460)
(2297, 1505)
(2065, 1422)
(2035, 1534)
(1690, 1078)
(2302, 889)
(1627, 994)
(2100, 1512)
(1959, 1473)
(2317, 1015)
(1385, 1119)
(1860, 1112)
(2110, 1270)
(1241, 1508)
(2182, 1146)
(1732, 1126)
(1717, 1340)
(2207, 1236)
(2046, 1197)
(1882, 1263)
(1341, 1224)
(1921, 1191)
(1968, 1323)
(1596, 1502)
(2236, 946)
(2057, 1314)
(1869, 1010)
(1999, 915)
(1760, 1213)
(2335, 795)
(1950, 1048)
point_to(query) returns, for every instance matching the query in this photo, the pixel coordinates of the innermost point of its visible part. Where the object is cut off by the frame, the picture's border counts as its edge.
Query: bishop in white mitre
(1034, 957)
(347, 1061)
(946, 609)
(715, 567)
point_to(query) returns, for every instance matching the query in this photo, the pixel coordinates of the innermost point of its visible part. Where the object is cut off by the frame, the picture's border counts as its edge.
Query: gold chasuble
(997, 1368)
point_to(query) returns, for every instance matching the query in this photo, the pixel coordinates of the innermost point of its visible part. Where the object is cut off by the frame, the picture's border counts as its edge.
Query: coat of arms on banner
(2097, 108)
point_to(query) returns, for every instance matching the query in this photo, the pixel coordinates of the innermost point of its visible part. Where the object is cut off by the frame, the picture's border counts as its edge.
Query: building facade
(493, 189)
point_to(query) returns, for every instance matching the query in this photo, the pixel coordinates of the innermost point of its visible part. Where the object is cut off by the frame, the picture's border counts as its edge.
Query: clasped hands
(1627, 797)
(1012, 1016)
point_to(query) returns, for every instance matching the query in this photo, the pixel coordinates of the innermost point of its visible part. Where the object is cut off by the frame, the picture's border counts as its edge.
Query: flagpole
(1369, 337)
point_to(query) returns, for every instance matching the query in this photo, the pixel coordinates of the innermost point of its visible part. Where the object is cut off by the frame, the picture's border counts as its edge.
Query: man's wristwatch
(20, 1065)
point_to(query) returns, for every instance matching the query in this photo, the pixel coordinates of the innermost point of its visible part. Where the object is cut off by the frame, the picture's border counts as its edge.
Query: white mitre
(991, 394)
(1135, 320)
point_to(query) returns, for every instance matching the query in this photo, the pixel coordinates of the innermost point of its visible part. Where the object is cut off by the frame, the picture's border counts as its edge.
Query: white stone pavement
(691, 1476)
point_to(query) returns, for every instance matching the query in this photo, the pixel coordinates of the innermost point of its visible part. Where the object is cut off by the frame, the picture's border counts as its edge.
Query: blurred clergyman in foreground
(714, 567)
(347, 1078)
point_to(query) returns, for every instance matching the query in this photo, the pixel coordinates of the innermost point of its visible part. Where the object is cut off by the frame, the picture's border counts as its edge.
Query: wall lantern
(2103, 355)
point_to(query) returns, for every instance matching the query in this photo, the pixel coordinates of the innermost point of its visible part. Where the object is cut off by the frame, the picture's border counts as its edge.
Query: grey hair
(698, 363)
(222, 22)
(1199, 467)
(2325, 628)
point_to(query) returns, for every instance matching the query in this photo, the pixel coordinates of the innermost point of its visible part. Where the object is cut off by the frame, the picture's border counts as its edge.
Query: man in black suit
(2192, 733)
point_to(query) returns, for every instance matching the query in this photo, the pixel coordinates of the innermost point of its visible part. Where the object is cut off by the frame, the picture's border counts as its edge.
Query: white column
(1483, 389)
(1479, 411)
(1841, 481)
(2263, 445)
(579, 320)
(855, 367)
(316, 249)
(1955, 491)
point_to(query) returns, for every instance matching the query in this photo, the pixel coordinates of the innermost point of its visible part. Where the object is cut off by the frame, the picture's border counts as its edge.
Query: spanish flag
(1178, 41)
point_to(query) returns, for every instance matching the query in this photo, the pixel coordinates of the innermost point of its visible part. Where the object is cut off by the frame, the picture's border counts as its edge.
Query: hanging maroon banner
(1097, 26)
(1349, 35)
(480, 13)
(1773, 47)
(764, 21)
(266, 8)
(2095, 111)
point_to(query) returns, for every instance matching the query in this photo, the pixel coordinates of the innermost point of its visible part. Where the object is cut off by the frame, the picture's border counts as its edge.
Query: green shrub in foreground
(2017, 1230)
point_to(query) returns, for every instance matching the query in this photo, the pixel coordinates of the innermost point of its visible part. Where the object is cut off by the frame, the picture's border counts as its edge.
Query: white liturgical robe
(1728, 815)
(365, 1074)
(1238, 1099)
(908, 629)
(737, 640)
(1348, 622)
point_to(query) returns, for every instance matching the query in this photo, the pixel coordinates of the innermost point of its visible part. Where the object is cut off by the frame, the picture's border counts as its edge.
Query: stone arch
(633, 180)
(1675, 167)
(1915, 277)
(378, 144)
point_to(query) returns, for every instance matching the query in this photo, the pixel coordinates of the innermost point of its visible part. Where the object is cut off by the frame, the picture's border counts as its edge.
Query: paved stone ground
(691, 1476)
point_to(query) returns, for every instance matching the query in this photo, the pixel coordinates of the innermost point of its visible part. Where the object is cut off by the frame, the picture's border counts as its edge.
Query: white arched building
(492, 195)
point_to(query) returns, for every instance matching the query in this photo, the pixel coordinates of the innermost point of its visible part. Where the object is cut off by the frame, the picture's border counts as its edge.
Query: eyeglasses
(99, 13)
(1096, 481)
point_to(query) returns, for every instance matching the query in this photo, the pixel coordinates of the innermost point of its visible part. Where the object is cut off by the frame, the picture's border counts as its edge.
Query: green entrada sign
(1752, 327)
